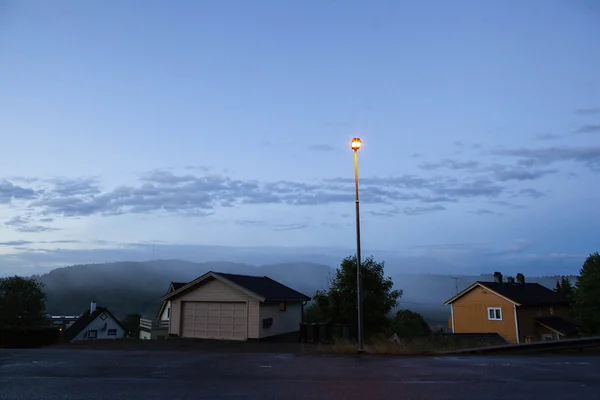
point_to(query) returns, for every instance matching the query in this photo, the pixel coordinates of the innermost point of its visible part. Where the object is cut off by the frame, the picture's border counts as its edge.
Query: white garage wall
(215, 290)
(283, 321)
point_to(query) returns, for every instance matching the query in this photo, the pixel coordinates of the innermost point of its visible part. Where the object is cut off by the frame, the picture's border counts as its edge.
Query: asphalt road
(117, 374)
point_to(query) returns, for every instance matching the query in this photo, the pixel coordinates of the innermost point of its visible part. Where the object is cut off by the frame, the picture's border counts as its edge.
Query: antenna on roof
(455, 282)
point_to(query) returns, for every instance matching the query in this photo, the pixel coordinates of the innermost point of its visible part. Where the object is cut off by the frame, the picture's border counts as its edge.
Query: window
(282, 306)
(92, 334)
(112, 332)
(494, 313)
(551, 310)
(168, 312)
(538, 311)
(103, 317)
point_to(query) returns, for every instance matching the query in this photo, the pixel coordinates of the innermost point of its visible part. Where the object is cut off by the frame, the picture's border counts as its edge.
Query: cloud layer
(202, 193)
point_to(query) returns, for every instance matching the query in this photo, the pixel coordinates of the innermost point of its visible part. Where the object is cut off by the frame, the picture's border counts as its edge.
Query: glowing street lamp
(355, 145)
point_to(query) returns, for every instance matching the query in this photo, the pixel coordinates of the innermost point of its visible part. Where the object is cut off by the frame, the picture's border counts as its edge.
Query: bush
(29, 338)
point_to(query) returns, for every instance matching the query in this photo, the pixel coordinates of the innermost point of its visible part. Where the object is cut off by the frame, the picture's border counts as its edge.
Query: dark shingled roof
(558, 324)
(265, 287)
(178, 285)
(84, 321)
(527, 294)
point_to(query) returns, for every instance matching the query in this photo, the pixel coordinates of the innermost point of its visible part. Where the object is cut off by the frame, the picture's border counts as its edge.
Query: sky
(213, 130)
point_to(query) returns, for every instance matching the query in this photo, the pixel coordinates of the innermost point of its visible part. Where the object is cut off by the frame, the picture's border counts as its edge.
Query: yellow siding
(471, 314)
(215, 290)
(283, 321)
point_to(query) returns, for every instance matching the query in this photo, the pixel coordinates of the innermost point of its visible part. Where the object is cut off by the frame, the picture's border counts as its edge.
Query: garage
(214, 320)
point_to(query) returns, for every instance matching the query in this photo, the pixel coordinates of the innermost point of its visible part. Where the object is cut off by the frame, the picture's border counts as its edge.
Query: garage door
(211, 320)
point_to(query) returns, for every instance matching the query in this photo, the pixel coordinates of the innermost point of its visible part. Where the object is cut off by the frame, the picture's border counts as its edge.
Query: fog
(135, 287)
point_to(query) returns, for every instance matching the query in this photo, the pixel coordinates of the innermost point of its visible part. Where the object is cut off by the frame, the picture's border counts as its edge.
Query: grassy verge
(416, 346)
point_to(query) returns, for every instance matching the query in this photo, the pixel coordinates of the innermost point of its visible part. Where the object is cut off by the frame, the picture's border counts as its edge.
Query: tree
(132, 324)
(407, 323)
(338, 304)
(22, 303)
(565, 287)
(587, 295)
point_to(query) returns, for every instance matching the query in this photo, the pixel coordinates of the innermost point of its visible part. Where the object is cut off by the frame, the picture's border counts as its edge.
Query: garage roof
(265, 287)
(262, 287)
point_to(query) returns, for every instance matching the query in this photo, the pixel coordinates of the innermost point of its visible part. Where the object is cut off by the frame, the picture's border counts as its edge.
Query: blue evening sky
(227, 123)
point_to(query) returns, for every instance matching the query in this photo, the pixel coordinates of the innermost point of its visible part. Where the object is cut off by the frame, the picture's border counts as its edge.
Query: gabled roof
(173, 286)
(521, 294)
(558, 325)
(85, 319)
(261, 287)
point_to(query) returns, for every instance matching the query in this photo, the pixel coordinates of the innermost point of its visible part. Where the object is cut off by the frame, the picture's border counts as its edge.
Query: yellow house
(520, 312)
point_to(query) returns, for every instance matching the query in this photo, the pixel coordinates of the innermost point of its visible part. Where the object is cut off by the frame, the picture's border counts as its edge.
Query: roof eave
(482, 285)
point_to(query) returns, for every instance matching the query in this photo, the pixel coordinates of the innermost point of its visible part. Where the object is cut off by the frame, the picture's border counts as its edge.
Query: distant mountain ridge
(135, 287)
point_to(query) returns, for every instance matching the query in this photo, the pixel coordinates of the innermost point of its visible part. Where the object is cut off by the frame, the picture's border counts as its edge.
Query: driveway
(146, 374)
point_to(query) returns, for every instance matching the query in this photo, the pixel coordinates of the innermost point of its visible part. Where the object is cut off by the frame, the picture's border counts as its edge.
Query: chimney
(92, 307)
(510, 280)
(497, 277)
(520, 278)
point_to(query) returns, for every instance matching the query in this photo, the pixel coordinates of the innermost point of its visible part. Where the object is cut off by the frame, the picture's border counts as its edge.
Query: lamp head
(355, 144)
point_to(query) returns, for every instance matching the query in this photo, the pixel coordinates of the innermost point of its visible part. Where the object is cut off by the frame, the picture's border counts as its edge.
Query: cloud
(588, 111)
(321, 147)
(547, 136)
(422, 210)
(188, 194)
(275, 227)
(198, 192)
(497, 172)
(23, 224)
(588, 156)
(16, 243)
(589, 128)
(388, 213)
(10, 191)
(533, 193)
(289, 227)
(451, 164)
(484, 211)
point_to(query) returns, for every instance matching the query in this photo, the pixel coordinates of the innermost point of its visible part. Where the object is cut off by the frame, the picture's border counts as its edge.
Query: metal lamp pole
(356, 144)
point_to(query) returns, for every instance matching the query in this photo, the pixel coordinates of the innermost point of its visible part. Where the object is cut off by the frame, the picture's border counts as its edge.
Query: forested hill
(136, 287)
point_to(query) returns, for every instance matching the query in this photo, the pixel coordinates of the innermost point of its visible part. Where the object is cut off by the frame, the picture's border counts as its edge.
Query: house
(159, 327)
(95, 323)
(520, 312)
(61, 322)
(232, 307)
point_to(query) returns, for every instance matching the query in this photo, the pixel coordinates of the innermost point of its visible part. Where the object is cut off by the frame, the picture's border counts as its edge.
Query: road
(121, 374)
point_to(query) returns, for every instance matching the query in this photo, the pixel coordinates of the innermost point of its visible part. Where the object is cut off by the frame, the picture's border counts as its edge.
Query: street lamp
(355, 145)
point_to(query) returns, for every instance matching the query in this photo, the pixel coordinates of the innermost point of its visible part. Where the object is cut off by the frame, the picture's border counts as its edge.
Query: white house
(97, 323)
(232, 307)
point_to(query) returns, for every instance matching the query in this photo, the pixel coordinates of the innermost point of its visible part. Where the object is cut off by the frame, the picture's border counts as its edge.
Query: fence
(152, 329)
(325, 333)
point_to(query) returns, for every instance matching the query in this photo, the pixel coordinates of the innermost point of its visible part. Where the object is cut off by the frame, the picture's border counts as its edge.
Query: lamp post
(355, 145)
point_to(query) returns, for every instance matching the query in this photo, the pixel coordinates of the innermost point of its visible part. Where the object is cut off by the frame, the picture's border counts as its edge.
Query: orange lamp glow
(356, 143)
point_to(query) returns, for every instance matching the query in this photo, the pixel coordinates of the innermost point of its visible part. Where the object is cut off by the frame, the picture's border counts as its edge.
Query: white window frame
(94, 331)
(496, 311)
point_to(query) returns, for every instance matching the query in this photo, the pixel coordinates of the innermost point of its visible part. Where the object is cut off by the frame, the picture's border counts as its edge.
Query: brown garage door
(215, 320)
